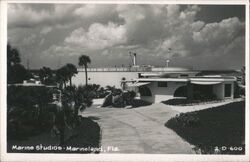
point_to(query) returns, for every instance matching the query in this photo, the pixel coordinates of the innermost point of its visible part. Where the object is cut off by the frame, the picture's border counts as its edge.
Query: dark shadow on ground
(93, 118)
(218, 127)
(136, 103)
(85, 138)
(139, 103)
(186, 102)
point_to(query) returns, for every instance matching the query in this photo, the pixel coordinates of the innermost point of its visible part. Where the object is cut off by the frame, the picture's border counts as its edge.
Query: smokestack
(134, 59)
(167, 62)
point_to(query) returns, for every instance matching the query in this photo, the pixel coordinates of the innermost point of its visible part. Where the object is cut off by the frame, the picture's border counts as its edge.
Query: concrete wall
(219, 90)
(103, 78)
(232, 90)
(162, 93)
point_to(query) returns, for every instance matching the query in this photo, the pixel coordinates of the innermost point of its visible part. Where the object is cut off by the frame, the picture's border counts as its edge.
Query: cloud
(46, 30)
(41, 42)
(218, 33)
(197, 38)
(29, 40)
(25, 16)
(58, 50)
(98, 36)
(131, 13)
(93, 10)
(154, 29)
(142, 22)
(110, 31)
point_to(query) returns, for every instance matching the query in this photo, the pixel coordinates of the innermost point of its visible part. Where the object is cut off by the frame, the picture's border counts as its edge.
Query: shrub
(204, 96)
(96, 90)
(85, 94)
(186, 120)
(27, 110)
(138, 103)
(214, 127)
(122, 99)
(238, 90)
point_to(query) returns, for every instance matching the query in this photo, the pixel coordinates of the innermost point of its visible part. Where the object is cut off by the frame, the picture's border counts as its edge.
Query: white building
(156, 88)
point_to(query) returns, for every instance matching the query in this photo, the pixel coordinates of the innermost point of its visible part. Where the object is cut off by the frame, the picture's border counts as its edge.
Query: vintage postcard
(124, 80)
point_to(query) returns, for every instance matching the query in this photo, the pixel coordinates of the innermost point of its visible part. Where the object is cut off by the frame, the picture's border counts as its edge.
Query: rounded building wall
(160, 94)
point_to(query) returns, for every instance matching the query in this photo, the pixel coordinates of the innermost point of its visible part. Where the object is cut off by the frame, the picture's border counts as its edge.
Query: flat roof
(194, 79)
(163, 79)
(27, 85)
(32, 85)
(212, 79)
(137, 84)
(166, 73)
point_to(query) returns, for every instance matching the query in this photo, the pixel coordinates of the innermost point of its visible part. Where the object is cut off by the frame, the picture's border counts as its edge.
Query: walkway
(138, 130)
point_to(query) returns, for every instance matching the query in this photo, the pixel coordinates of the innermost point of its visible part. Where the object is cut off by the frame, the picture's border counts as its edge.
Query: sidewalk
(138, 130)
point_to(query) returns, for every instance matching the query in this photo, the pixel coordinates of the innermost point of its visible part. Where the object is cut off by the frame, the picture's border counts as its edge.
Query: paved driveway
(138, 130)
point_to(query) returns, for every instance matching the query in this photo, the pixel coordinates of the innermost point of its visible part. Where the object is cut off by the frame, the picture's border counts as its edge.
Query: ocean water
(103, 78)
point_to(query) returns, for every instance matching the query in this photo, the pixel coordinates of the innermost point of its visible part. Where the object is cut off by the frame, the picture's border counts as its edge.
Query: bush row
(28, 111)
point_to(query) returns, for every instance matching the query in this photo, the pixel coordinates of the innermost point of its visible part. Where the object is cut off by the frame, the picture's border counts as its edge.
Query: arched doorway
(181, 92)
(145, 91)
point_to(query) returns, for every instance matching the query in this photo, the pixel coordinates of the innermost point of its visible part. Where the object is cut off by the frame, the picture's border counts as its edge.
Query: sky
(197, 36)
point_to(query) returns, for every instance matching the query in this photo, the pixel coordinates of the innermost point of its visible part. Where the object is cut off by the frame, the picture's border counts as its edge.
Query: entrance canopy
(138, 84)
(204, 83)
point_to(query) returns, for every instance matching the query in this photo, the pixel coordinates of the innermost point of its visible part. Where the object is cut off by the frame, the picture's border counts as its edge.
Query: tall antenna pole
(133, 58)
(168, 60)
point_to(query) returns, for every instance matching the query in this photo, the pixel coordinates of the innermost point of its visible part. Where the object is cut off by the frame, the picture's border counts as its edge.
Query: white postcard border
(4, 156)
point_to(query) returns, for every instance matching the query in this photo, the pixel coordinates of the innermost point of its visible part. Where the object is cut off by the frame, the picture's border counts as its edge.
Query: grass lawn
(186, 102)
(84, 137)
(216, 130)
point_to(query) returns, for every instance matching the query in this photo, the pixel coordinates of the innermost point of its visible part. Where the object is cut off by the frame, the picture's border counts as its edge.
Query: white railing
(134, 69)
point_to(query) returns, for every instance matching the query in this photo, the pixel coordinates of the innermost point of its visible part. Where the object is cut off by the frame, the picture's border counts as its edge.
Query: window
(228, 90)
(162, 84)
(184, 75)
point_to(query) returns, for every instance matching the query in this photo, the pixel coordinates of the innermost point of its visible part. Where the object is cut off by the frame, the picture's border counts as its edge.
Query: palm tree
(84, 61)
(16, 72)
(77, 99)
(45, 75)
(61, 76)
(65, 74)
(71, 71)
(13, 56)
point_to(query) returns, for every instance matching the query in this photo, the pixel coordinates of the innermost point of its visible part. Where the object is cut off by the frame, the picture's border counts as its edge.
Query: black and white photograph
(126, 78)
